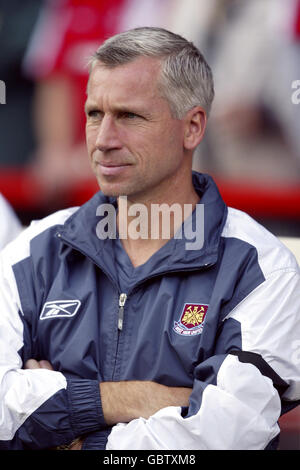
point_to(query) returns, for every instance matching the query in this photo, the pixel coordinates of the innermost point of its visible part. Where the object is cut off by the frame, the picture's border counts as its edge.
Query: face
(134, 144)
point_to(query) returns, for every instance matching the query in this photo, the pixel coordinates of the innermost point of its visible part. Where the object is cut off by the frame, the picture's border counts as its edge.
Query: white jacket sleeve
(10, 225)
(239, 407)
(39, 408)
(21, 391)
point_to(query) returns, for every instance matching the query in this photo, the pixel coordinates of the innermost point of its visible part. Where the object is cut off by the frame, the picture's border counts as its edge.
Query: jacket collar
(79, 231)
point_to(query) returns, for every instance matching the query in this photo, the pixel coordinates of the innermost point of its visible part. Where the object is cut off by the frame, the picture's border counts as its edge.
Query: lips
(111, 169)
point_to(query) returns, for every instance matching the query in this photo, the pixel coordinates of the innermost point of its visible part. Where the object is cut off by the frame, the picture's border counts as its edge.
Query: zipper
(122, 300)
(123, 297)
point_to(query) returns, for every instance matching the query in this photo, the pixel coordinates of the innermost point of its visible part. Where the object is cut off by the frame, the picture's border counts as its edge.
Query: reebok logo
(60, 308)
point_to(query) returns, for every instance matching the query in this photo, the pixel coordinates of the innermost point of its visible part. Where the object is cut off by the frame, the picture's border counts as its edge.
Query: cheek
(168, 143)
(90, 138)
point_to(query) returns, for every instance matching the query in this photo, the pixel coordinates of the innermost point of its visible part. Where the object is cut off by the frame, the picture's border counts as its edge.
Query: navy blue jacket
(223, 319)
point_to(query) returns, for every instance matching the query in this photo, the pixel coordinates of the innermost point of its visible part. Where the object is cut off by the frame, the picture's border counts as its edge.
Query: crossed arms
(125, 401)
(232, 404)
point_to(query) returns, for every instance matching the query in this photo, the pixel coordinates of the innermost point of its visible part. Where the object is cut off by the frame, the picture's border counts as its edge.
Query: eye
(128, 115)
(94, 114)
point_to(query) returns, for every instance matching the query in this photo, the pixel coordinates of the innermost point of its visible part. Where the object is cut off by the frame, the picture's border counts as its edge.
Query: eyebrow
(89, 105)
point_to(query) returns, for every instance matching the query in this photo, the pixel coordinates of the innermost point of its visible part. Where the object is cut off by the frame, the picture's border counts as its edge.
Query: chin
(112, 190)
(121, 188)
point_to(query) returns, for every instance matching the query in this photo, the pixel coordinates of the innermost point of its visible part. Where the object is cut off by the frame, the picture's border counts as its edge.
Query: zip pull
(122, 300)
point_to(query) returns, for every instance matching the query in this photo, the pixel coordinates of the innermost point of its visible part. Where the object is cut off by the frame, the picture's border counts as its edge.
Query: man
(121, 341)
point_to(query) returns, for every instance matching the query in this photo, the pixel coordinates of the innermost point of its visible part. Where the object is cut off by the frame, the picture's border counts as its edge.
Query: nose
(107, 137)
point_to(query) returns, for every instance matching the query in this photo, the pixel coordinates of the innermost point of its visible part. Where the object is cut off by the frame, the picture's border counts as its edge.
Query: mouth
(112, 169)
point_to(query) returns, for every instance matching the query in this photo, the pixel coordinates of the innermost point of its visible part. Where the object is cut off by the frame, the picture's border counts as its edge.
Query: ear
(195, 124)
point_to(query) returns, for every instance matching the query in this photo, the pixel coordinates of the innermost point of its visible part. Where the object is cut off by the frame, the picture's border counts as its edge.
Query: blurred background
(252, 144)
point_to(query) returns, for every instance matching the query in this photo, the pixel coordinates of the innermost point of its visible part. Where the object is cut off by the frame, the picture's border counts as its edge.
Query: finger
(45, 365)
(77, 444)
(31, 364)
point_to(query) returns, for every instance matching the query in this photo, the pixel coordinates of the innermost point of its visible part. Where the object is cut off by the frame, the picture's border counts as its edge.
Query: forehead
(136, 80)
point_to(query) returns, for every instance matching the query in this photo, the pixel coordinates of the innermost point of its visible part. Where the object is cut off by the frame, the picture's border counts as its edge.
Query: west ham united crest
(191, 320)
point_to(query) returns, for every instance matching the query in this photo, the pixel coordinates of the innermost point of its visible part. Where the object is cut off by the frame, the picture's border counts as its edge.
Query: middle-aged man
(117, 336)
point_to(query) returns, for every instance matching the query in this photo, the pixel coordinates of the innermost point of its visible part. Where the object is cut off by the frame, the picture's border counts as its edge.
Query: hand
(33, 364)
(77, 444)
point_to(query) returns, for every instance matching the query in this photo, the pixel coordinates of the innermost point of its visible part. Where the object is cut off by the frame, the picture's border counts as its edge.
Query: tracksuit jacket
(223, 319)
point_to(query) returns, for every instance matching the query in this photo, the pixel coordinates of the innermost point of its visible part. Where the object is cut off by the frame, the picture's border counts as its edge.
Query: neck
(145, 225)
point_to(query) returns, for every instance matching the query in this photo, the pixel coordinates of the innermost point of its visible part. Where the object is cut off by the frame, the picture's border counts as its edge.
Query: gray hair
(186, 79)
